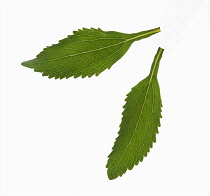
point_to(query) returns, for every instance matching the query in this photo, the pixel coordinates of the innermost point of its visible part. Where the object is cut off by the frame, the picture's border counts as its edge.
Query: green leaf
(86, 53)
(139, 126)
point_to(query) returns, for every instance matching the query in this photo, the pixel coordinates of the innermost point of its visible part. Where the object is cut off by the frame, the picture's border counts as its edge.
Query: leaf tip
(30, 64)
(111, 176)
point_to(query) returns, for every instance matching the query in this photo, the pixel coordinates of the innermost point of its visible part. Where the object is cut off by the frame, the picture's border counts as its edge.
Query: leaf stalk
(156, 62)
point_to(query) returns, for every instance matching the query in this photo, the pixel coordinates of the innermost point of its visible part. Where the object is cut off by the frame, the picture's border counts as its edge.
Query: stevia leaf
(87, 52)
(139, 126)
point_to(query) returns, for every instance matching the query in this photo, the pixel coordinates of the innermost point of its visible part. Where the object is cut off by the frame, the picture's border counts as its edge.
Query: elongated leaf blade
(87, 52)
(139, 126)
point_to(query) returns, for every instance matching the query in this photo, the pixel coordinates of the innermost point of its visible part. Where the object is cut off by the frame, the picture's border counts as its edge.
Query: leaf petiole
(156, 62)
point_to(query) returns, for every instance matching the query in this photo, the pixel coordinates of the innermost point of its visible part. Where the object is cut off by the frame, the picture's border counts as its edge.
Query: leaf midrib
(89, 64)
(97, 48)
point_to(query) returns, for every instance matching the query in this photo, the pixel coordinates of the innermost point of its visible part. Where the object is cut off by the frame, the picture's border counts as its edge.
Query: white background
(56, 134)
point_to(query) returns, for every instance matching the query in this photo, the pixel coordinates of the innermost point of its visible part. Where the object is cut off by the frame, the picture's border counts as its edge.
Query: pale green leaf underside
(139, 126)
(87, 52)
